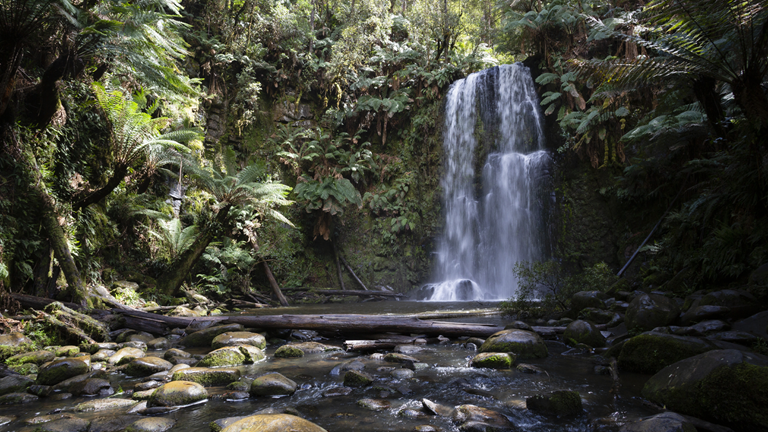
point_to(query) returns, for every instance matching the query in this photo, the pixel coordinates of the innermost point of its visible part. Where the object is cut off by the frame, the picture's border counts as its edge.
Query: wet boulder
(14, 383)
(239, 338)
(177, 393)
(289, 351)
(648, 311)
(175, 352)
(204, 337)
(557, 403)
(69, 424)
(664, 422)
(600, 316)
(92, 387)
(126, 355)
(207, 376)
(587, 299)
(67, 351)
(650, 352)
(493, 360)
(723, 386)
(354, 378)
(525, 344)
(374, 404)
(111, 423)
(14, 339)
(17, 398)
(146, 366)
(273, 423)
(36, 357)
(151, 424)
(272, 384)
(583, 332)
(160, 343)
(232, 356)
(472, 417)
(59, 370)
(104, 405)
(723, 304)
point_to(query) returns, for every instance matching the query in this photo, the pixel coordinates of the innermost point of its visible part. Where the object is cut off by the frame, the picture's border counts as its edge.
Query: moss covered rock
(36, 357)
(583, 332)
(472, 417)
(493, 360)
(650, 352)
(525, 344)
(14, 383)
(355, 378)
(587, 299)
(104, 405)
(239, 338)
(724, 386)
(272, 384)
(59, 370)
(204, 337)
(273, 423)
(648, 311)
(207, 376)
(289, 351)
(177, 393)
(146, 366)
(16, 398)
(557, 403)
(232, 356)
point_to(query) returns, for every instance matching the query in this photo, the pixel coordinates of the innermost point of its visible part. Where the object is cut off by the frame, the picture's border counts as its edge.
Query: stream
(446, 381)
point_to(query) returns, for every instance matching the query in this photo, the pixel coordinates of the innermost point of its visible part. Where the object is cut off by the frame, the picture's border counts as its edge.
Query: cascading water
(493, 222)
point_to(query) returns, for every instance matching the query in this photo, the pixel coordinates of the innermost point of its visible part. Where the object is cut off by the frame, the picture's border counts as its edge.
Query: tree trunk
(170, 282)
(275, 286)
(338, 265)
(354, 276)
(101, 193)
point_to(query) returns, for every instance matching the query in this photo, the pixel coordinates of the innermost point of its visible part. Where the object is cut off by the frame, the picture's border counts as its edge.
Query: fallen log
(39, 303)
(357, 293)
(333, 323)
(346, 264)
(378, 344)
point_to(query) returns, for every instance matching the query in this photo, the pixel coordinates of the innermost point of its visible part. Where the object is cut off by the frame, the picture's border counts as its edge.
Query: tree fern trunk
(100, 194)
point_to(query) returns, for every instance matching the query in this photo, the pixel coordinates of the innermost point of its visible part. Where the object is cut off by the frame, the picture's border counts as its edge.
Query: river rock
(17, 398)
(402, 373)
(232, 356)
(492, 360)
(220, 424)
(583, 332)
(147, 385)
(354, 378)
(650, 352)
(67, 351)
(160, 343)
(337, 391)
(207, 376)
(151, 424)
(664, 422)
(272, 384)
(525, 344)
(374, 404)
(36, 357)
(724, 386)
(143, 395)
(557, 403)
(145, 366)
(175, 352)
(104, 404)
(477, 418)
(204, 337)
(177, 393)
(113, 423)
(736, 337)
(183, 311)
(648, 311)
(239, 338)
(92, 387)
(102, 355)
(599, 316)
(14, 383)
(59, 370)
(273, 423)
(586, 299)
(757, 325)
(126, 355)
(14, 339)
(71, 424)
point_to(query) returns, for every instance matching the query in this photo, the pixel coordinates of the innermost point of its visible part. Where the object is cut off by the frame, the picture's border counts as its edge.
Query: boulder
(204, 337)
(480, 418)
(723, 304)
(525, 344)
(355, 378)
(273, 423)
(650, 352)
(557, 403)
(177, 393)
(36, 357)
(583, 332)
(723, 386)
(59, 370)
(160, 343)
(92, 387)
(14, 383)
(493, 360)
(239, 338)
(207, 376)
(151, 424)
(220, 424)
(17, 398)
(112, 423)
(648, 311)
(664, 422)
(70, 424)
(600, 316)
(289, 351)
(272, 384)
(587, 299)
(104, 405)
(232, 356)
(14, 339)
(175, 352)
(126, 355)
(146, 366)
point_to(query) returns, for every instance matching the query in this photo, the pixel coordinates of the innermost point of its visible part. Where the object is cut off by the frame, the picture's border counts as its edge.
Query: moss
(7, 351)
(557, 403)
(493, 360)
(207, 377)
(36, 357)
(649, 353)
(287, 351)
(222, 357)
(25, 369)
(357, 379)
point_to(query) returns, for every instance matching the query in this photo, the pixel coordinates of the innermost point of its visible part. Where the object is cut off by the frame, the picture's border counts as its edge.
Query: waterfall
(493, 220)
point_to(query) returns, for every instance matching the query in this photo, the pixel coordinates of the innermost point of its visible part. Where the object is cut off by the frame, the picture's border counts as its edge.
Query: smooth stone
(580, 331)
(408, 349)
(177, 393)
(557, 403)
(232, 356)
(354, 378)
(273, 423)
(492, 360)
(67, 351)
(135, 344)
(116, 423)
(585, 299)
(148, 385)
(526, 344)
(529, 369)
(92, 387)
(289, 351)
(204, 337)
(76, 381)
(220, 424)
(36, 357)
(178, 367)
(160, 343)
(337, 391)
(126, 355)
(437, 409)
(648, 311)
(4, 420)
(650, 352)
(142, 395)
(598, 316)
(402, 373)
(239, 338)
(73, 424)
(145, 366)
(102, 355)
(464, 414)
(374, 404)
(48, 418)
(104, 404)
(14, 383)
(400, 358)
(175, 352)
(664, 422)
(151, 424)
(272, 384)
(17, 398)
(14, 339)
(57, 371)
(207, 376)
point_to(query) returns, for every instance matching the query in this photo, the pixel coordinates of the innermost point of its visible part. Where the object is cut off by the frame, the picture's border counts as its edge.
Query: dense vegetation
(163, 142)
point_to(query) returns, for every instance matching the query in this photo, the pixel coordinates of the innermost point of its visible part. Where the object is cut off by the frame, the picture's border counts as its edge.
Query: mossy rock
(472, 417)
(585, 299)
(36, 357)
(650, 352)
(104, 405)
(67, 351)
(232, 356)
(26, 369)
(220, 424)
(355, 378)
(59, 370)
(177, 393)
(558, 403)
(204, 337)
(583, 332)
(525, 344)
(17, 398)
(493, 360)
(648, 311)
(273, 423)
(289, 351)
(207, 376)
(273, 384)
(727, 387)
(146, 366)
(14, 383)
(239, 338)
(597, 316)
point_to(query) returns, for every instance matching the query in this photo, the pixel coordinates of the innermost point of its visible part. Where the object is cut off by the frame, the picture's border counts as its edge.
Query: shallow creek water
(447, 381)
